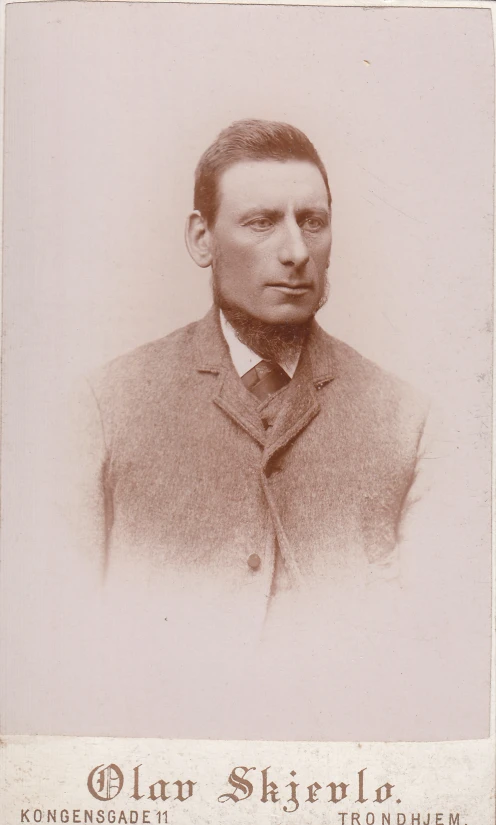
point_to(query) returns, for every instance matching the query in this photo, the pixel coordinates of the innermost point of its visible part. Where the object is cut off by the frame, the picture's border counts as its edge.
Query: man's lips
(292, 289)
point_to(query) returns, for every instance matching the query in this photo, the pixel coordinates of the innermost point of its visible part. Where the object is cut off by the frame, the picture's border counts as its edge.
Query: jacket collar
(211, 352)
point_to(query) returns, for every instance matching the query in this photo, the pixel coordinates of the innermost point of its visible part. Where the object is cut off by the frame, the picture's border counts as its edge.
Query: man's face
(271, 240)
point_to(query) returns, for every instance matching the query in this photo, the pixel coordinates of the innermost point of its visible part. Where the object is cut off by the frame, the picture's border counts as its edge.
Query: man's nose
(293, 250)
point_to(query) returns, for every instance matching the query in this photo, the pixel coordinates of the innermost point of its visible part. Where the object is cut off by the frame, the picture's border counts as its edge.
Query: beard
(272, 342)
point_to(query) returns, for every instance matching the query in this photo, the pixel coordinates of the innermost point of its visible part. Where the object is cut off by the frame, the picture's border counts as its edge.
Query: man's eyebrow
(274, 214)
(313, 210)
(255, 211)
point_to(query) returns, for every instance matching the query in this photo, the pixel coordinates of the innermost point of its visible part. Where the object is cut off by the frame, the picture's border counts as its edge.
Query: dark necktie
(265, 379)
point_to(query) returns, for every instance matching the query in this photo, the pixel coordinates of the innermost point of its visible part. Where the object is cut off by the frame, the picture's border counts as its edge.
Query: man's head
(262, 221)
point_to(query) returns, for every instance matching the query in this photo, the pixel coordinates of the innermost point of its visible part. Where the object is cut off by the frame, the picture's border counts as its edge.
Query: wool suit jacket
(193, 479)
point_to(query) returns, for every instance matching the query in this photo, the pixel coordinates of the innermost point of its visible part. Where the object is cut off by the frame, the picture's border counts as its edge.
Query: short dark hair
(249, 140)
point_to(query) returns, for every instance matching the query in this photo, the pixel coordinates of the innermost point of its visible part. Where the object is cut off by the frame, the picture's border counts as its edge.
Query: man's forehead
(272, 183)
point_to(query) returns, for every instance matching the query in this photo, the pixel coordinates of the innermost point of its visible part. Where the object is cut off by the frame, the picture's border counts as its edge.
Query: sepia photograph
(247, 371)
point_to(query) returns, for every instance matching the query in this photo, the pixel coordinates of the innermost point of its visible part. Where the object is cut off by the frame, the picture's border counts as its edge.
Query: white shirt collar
(243, 357)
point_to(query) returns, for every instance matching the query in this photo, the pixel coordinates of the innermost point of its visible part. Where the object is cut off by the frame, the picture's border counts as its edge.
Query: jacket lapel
(234, 400)
(300, 400)
(212, 356)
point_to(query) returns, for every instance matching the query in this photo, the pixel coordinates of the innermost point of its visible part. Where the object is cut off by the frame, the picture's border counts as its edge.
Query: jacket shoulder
(372, 384)
(131, 385)
(139, 367)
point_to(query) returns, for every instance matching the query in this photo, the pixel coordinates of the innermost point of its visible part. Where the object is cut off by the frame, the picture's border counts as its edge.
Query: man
(250, 452)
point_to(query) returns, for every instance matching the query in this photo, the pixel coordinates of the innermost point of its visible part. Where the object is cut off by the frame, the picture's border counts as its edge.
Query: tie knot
(265, 378)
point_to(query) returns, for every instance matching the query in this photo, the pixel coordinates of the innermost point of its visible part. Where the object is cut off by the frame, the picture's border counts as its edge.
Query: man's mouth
(292, 289)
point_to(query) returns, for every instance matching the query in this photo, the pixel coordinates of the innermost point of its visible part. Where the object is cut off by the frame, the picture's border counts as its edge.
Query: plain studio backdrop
(108, 109)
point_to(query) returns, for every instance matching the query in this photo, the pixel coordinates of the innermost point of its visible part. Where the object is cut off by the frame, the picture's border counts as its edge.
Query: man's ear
(198, 239)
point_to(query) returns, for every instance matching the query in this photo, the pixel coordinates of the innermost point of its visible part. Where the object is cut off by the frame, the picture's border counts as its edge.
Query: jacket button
(254, 561)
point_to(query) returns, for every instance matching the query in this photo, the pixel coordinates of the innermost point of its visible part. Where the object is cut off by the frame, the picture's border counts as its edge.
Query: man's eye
(312, 224)
(259, 224)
